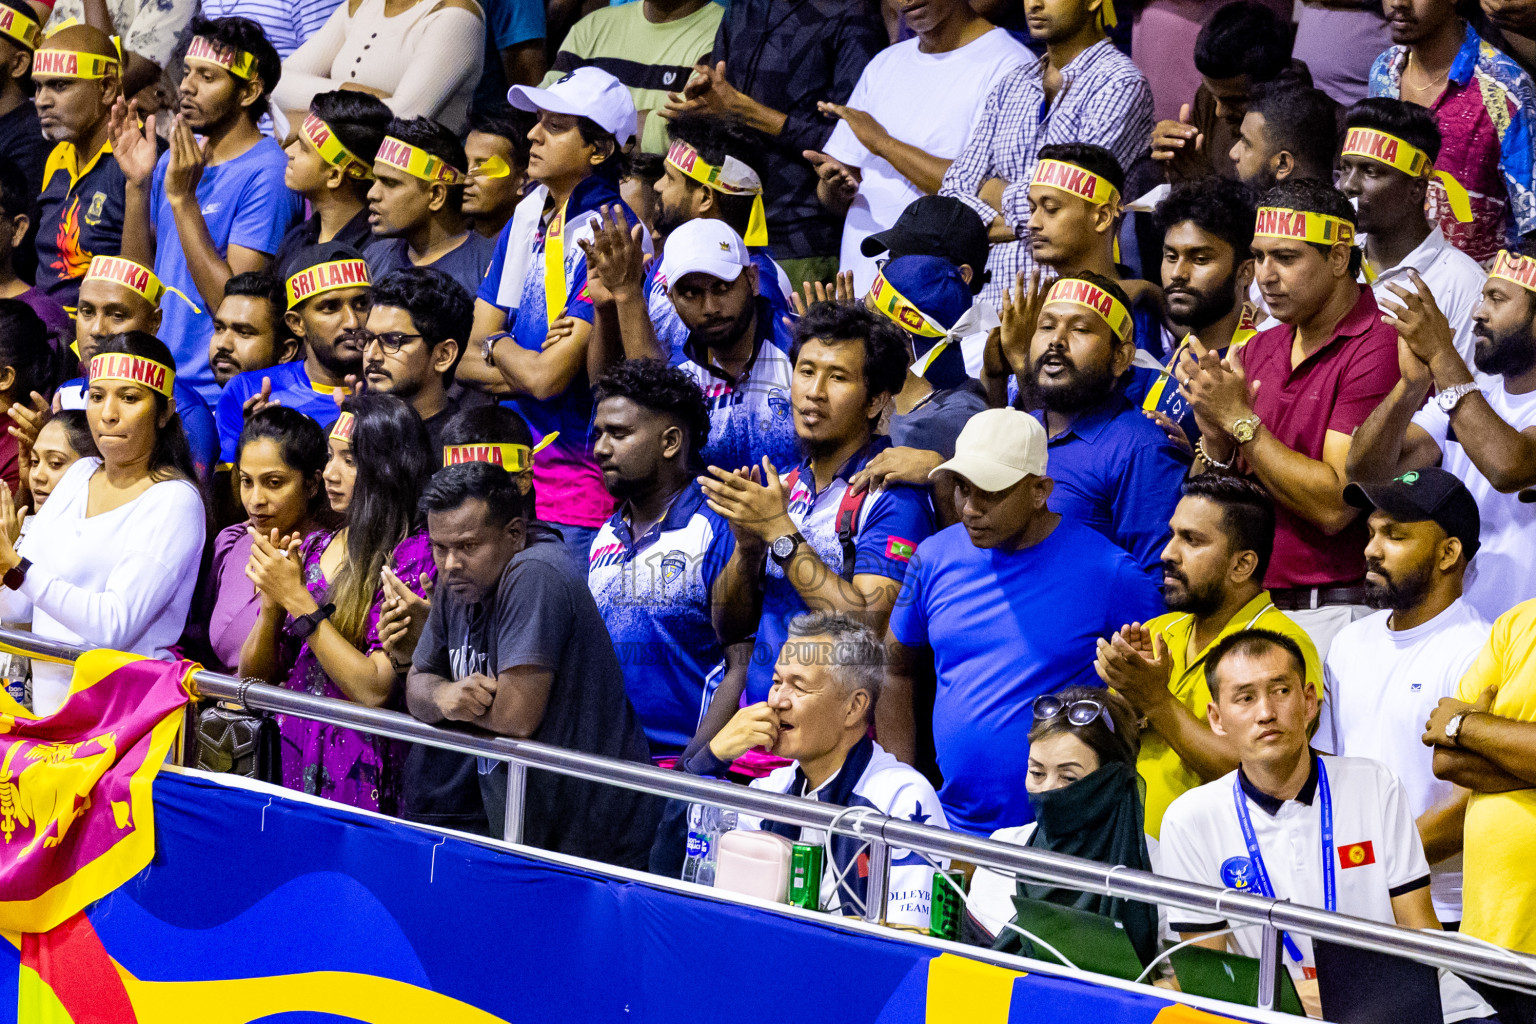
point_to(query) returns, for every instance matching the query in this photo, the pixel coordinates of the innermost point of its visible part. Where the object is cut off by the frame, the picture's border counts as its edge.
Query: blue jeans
(578, 541)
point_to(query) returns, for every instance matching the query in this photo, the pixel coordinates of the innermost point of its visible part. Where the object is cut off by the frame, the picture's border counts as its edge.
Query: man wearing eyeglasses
(416, 332)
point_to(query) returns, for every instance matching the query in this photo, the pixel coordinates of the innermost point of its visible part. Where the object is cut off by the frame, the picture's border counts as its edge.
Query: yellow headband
(136, 278)
(71, 64)
(885, 298)
(514, 458)
(326, 277)
(237, 62)
(732, 177)
(1412, 161)
(341, 430)
(18, 27)
(331, 149)
(1303, 226)
(134, 370)
(1086, 293)
(418, 163)
(1513, 267)
(1076, 181)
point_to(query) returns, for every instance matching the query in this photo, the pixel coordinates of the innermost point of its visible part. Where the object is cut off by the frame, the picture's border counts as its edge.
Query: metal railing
(1439, 949)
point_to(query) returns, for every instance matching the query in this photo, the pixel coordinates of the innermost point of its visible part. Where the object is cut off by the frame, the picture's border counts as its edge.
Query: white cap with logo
(586, 92)
(704, 246)
(997, 448)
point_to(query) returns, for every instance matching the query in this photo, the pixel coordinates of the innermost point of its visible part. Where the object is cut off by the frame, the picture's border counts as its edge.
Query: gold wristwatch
(1245, 429)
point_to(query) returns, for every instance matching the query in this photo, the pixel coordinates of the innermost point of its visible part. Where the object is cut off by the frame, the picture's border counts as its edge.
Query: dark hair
(885, 345)
(451, 486)
(358, 120)
(1301, 121)
(435, 138)
(25, 347)
(1315, 196)
(439, 306)
(245, 34)
(171, 453)
(647, 167)
(15, 193)
(1247, 513)
(1122, 743)
(714, 138)
(508, 123)
(490, 424)
(390, 450)
(1410, 122)
(616, 166)
(1252, 643)
(1090, 158)
(1112, 287)
(1243, 38)
(263, 284)
(299, 439)
(652, 384)
(1222, 207)
(77, 428)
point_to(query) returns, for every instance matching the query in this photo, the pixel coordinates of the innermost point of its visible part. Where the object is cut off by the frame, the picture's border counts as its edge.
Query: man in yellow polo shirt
(1223, 532)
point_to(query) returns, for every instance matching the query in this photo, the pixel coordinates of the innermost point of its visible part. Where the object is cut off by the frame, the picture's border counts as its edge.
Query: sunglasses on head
(1079, 712)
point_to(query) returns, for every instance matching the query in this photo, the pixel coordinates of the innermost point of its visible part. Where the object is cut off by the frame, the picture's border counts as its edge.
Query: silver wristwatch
(1451, 397)
(1453, 727)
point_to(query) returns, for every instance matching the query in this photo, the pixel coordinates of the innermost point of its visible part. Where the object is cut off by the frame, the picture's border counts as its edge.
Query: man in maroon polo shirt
(1284, 410)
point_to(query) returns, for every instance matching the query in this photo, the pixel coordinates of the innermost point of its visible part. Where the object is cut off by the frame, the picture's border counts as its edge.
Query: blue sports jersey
(750, 418)
(196, 420)
(772, 285)
(654, 594)
(291, 387)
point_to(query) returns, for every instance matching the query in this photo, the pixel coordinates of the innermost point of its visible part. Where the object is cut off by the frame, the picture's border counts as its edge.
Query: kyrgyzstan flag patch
(1357, 855)
(900, 549)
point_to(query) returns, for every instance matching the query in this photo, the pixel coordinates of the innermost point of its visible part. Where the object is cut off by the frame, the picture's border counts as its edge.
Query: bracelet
(1205, 456)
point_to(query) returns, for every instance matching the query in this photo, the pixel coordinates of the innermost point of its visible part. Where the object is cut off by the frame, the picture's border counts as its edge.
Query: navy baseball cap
(1425, 495)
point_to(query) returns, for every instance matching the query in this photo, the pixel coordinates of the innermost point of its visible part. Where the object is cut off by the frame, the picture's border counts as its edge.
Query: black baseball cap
(1424, 495)
(939, 226)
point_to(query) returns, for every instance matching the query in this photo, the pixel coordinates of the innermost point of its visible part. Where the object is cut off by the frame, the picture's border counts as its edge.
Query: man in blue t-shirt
(206, 211)
(826, 549)
(1008, 604)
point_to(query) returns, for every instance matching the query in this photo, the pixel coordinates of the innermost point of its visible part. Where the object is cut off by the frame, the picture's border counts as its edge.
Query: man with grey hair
(818, 713)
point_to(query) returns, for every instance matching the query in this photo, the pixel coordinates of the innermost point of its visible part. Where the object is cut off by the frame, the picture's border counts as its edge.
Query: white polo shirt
(1453, 278)
(1382, 685)
(1503, 572)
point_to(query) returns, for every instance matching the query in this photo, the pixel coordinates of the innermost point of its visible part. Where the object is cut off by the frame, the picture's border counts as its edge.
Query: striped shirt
(287, 23)
(1103, 99)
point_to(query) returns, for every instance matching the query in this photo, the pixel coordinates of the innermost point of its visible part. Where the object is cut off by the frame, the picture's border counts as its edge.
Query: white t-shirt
(1452, 277)
(1376, 853)
(927, 100)
(1382, 685)
(1503, 572)
(121, 579)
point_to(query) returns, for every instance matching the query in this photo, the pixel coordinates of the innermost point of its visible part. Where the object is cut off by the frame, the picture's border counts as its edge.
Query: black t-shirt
(354, 233)
(21, 139)
(435, 427)
(543, 614)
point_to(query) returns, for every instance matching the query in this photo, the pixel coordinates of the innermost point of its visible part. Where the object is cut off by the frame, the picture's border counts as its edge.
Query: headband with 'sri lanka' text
(1302, 226)
(134, 370)
(1085, 293)
(72, 64)
(341, 430)
(514, 458)
(19, 28)
(136, 277)
(1517, 269)
(331, 149)
(1411, 160)
(203, 50)
(326, 277)
(1074, 180)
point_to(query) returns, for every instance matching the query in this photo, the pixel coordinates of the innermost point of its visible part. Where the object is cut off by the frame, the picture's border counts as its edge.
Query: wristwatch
(488, 346)
(1245, 429)
(1452, 396)
(18, 573)
(1453, 726)
(783, 548)
(305, 625)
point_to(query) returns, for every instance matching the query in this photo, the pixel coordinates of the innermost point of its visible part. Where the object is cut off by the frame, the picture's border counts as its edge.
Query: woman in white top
(422, 57)
(112, 559)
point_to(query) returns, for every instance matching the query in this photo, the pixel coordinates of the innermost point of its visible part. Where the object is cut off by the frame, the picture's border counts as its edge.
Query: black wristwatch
(16, 575)
(783, 548)
(305, 625)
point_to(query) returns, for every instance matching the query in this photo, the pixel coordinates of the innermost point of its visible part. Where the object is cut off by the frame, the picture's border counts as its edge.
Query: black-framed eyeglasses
(389, 341)
(1079, 712)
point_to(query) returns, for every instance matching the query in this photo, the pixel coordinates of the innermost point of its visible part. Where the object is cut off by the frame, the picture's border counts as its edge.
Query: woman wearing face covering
(1087, 800)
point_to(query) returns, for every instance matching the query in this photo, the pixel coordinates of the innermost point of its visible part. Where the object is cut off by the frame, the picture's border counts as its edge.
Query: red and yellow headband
(1085, 293)
(1076, 181)
(72, 64)
(19, 28)
(1411, 160)
(1513, 267)
(732, 177)
(331, 149)
(514, 458)
(341, 430)
(134, 370)
(326, 277)
(418, 163)
(135, 277)
(203, 50)
(1303, 226)
(886, 299)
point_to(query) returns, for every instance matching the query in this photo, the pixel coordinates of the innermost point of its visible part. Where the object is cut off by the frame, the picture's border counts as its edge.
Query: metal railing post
(1271, 963)
(878, 892)
(517, 785)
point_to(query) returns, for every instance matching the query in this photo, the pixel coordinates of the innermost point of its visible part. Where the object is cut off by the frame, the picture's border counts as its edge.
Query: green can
(805, 866)
(947, 909)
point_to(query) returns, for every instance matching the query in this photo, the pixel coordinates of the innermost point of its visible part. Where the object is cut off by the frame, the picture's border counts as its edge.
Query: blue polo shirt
(291, 387)
(750, 418)
(1006, 627)
(891, 525)
(654, 595)
(1117, 472)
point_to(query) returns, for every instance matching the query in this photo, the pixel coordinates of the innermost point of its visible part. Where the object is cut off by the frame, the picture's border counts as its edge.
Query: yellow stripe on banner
(1178, 1013)
(355, 997)
(965, 991)
(36, 1002)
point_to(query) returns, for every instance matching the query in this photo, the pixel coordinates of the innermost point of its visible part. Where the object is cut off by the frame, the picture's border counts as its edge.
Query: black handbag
(236, 740)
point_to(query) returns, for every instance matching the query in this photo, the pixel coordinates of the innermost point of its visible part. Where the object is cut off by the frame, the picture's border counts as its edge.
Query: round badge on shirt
(1237, 873)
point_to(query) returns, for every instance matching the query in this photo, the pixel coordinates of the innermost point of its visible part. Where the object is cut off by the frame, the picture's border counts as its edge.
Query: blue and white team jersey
(654, 594)
(879, 781)
(196, 419)
(772, 285)
(291, 387)
(752, 417)
(891, 524)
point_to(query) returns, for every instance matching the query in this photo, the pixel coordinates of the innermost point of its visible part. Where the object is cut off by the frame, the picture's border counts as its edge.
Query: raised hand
(1020, 314)
(615, 257)
(870, 133)
(133, 147)
(188, 159)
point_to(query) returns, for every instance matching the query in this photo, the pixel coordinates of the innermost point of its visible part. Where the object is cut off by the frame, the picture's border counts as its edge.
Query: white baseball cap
(704, 246)
(997, 448)
(586, 92)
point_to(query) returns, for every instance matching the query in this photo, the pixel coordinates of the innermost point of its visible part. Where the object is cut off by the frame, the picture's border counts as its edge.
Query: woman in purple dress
(318, 630)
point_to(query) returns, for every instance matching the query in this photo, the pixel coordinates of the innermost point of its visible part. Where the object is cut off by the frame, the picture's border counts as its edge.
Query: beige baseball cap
(997, 448)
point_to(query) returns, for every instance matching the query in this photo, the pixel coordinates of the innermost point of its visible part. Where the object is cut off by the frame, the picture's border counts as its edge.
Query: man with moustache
(1213, 570)
(1480, 427)
(417, 329)
(1288, 133)
(248, 328)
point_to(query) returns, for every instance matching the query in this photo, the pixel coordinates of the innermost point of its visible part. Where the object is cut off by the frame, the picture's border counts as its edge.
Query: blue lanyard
(1256, 856)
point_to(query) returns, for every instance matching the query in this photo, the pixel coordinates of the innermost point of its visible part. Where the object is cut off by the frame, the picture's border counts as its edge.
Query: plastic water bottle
(706, 824)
